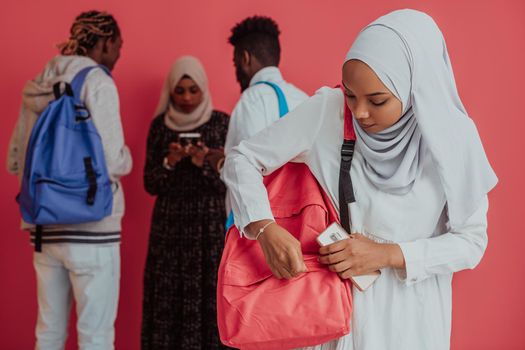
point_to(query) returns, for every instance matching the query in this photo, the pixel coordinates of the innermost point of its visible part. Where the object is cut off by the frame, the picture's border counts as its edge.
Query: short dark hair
(87, 29)
(260, 37)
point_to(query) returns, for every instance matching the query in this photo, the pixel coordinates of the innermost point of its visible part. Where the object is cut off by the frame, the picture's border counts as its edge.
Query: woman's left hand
(215, 157)
(359, 255)
(197, 153)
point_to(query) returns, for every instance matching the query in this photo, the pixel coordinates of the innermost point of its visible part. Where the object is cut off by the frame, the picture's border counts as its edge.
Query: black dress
(185, 243)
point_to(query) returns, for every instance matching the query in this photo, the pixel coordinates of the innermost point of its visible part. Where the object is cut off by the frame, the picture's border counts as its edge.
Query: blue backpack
(65, 178)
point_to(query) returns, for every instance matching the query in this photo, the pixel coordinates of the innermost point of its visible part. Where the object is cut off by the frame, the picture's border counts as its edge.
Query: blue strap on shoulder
(80, 77)
(283, 110)
(283, 105)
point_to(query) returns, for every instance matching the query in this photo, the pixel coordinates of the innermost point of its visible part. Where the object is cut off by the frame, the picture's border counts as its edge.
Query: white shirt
(258, 106)
(409, 309)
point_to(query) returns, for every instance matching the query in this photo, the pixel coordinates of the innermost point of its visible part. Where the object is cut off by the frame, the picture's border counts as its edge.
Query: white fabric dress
(408, 309)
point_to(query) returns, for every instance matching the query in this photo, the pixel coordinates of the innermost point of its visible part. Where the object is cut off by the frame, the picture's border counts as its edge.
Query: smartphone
(187, 138)
(335, 233)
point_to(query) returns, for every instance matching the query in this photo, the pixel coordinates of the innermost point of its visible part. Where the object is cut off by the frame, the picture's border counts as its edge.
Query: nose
(186, 97)
(360, 111)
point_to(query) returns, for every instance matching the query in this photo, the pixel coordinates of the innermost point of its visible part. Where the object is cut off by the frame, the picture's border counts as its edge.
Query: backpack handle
(67, 90)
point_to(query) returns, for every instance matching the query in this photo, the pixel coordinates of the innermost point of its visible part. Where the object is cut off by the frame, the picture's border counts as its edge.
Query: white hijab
(179, 121)
(408, 53)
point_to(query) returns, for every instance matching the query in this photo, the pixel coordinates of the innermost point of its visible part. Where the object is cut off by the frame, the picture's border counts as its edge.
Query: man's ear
(246, 58)
(105, 45)
(100, 46)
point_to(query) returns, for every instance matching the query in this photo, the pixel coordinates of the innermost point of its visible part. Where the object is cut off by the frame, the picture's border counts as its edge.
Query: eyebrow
(371, 94)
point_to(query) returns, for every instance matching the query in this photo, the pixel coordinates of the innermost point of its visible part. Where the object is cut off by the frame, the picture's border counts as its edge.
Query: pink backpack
(258, 311)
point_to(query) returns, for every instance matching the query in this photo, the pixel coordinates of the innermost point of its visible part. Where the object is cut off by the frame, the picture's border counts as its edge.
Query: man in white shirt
(256, 57)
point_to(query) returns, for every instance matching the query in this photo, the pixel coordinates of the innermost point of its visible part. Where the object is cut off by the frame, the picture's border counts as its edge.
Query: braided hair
(260, 37)
(88, 28)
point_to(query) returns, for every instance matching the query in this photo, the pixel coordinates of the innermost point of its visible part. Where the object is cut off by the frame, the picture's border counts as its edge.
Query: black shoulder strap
(346, 189)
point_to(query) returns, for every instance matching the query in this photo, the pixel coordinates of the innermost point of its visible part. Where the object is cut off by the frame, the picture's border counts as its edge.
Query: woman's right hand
(281, 250)
(175, 153)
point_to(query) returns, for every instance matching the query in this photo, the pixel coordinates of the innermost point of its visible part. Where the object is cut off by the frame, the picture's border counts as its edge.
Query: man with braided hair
(97, 35)
(79, 260)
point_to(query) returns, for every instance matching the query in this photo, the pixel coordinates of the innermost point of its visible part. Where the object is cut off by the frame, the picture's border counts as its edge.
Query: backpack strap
(283, 105)
(38, 239)
(283, 110)
(92, 179)
(346, 190)
(80, 77)
(82, 114)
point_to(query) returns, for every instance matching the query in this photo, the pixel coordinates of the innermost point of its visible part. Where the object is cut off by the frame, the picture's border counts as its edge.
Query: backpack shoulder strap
(80, 77)
(346, 190)
(283, 105)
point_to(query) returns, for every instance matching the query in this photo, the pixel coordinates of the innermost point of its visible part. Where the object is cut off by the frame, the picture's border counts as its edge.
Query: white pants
(93, 272)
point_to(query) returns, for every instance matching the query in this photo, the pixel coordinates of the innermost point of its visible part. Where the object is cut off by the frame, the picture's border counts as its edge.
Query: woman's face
(374, 107)
(186, 96)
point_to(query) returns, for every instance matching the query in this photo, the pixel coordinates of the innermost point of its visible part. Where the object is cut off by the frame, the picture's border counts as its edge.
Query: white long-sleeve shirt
(408, 309)
(258, 106)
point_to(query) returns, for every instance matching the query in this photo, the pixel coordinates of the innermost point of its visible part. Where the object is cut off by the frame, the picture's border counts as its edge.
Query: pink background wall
(486, 41)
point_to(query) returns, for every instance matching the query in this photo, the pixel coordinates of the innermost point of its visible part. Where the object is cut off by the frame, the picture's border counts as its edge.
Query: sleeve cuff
(252, 218)
(414, 270)
(166, 165)
(256, 212)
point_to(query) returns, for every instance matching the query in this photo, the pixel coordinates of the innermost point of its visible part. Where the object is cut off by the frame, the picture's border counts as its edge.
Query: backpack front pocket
(64, 202)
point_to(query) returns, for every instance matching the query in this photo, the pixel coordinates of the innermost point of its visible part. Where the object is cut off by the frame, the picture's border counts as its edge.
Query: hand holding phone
(335, 233)
(175, 153)
(197, 153)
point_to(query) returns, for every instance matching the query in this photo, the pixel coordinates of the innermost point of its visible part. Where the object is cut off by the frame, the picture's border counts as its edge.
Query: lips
(366, 126)
(186, 108)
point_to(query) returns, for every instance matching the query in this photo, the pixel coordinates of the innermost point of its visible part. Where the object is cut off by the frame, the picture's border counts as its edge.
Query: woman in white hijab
(187, 226)
(420, 178)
